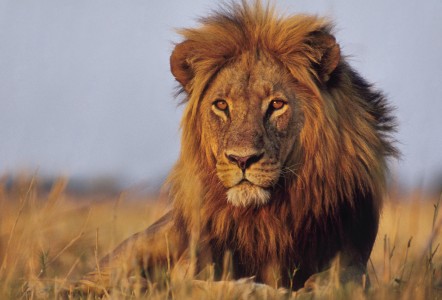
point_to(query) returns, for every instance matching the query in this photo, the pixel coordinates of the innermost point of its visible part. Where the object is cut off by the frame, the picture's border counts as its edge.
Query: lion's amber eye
(277, 104)
(221, 104)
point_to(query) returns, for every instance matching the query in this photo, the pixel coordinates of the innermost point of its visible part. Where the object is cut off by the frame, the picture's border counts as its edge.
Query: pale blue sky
(85, 87)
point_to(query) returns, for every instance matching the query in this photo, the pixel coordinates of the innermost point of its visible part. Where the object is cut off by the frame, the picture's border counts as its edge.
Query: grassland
(49, 239)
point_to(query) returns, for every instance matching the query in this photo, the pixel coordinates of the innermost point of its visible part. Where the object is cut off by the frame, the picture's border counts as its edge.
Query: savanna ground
(49, 239)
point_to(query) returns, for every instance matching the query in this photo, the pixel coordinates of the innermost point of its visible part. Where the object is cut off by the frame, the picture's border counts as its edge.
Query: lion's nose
(244, 162)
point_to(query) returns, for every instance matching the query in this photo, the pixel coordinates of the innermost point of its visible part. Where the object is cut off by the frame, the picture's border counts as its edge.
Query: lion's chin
(246, 194)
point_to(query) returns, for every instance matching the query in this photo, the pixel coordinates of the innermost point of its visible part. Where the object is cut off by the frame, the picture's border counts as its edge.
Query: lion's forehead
(249, 81)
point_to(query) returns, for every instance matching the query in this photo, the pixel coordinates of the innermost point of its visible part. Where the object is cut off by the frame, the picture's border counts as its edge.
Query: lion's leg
(350, 265)
(154, 249)
(335, 278)
(244, 288)
(341, 273)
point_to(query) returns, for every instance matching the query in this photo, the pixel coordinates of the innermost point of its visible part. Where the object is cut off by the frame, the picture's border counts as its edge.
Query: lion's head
(272, 98)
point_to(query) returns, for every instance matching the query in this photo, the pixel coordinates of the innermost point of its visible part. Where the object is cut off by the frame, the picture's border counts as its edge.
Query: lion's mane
(331, 195)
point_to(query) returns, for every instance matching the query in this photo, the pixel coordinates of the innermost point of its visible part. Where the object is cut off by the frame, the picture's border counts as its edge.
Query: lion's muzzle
(249, 177)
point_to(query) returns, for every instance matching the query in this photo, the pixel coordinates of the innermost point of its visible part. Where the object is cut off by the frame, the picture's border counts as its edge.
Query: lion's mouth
(245, 193)
(245, 181)
(251, 187)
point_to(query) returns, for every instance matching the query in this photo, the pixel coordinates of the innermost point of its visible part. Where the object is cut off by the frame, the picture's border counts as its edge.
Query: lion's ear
(328, 54)
(180, 64)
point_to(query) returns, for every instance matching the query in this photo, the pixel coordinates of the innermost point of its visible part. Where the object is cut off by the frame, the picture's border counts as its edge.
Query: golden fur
(317, 196)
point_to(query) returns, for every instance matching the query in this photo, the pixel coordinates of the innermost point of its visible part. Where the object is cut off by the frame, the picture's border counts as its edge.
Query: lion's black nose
(244, 162)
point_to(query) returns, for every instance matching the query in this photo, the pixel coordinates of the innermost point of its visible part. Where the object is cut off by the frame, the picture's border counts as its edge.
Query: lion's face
(251, 120)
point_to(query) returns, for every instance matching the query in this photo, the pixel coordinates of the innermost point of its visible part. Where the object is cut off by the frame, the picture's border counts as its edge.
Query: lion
(283, 159)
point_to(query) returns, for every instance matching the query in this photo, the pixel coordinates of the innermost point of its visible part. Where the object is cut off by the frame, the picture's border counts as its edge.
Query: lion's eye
(277, 104)
(221, 104)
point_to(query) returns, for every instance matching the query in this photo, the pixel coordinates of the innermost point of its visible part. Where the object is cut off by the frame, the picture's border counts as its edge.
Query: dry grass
(48, 240)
